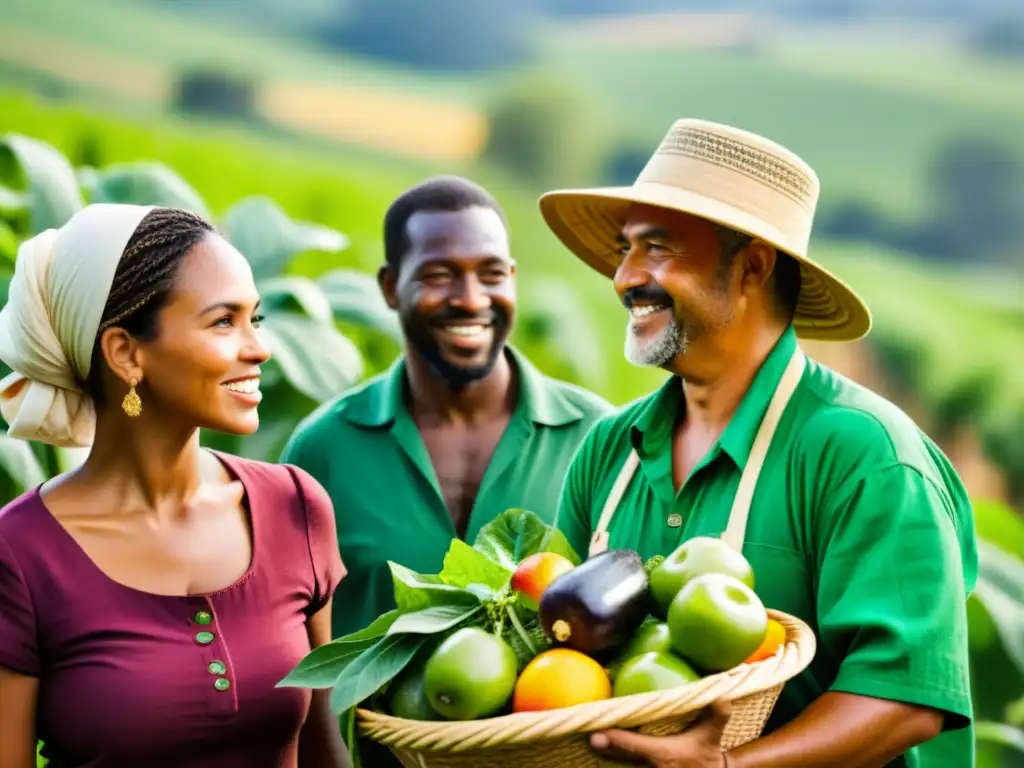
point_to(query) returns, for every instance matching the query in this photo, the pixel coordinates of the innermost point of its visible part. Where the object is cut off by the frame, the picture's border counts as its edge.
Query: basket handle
(736, 528)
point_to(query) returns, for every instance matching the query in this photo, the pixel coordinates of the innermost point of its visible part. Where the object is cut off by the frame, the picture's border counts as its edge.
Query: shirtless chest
(460, 457)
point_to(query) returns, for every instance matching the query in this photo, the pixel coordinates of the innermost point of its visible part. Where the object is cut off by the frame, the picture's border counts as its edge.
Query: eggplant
(598, 605)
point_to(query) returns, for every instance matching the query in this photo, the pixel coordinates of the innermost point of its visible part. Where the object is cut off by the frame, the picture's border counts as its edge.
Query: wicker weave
(558, 737)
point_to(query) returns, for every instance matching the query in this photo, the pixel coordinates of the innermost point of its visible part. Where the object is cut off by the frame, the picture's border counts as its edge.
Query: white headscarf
(48, 327)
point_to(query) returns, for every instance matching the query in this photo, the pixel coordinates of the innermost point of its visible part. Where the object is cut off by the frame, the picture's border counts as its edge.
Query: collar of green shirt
(652, 428)
(538, 402)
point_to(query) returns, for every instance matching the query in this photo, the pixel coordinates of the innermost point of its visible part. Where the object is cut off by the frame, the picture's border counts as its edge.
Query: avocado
(598, 605)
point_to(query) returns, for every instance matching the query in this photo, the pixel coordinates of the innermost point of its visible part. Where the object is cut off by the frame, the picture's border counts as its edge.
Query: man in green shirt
(858, 524)
(462, 427)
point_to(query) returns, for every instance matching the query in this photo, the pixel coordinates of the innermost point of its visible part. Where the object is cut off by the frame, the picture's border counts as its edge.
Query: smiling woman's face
(203, 367)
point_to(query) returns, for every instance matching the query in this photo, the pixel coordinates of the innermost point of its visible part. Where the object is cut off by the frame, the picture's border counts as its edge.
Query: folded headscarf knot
(62, 278)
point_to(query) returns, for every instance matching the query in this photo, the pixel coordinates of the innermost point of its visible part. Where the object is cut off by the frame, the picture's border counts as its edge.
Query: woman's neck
(152, 466)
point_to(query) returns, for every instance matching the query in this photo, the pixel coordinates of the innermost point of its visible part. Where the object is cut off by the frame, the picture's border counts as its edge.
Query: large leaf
(21, 470)
(465, 566)
(294, 293)
(8, 250)
(417, 591)
(12, 202)
(322, 666)
(355, 297)
(374, 668)
(1001, 590)
(1002, 734)
(145, 183)
(260, 229)
(315, 358)
(46, 175)
(518, 533)
(558, 319)
(431, 621)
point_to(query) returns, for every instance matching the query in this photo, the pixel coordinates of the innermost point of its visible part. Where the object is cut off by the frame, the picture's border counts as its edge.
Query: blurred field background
(294, 123)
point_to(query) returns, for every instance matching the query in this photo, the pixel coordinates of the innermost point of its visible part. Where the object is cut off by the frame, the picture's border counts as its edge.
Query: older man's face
(673, 281)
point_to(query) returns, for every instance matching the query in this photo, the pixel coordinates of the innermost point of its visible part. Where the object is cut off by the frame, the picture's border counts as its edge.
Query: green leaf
(316, 359)
(11, 201)
(294, 293)
(1000, 589)
(415, 592)
(518, 533)
(322, 666)
(464, 566)
(8, 250)
(375, 667)
(46, 175)
(437, 618)
(260, 229)
(19, 468)
(355, 297)
(145, 183)
(1002, 734)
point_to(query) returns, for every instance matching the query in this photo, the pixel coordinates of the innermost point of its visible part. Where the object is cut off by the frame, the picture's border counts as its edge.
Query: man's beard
(455, 375)
(659, 351)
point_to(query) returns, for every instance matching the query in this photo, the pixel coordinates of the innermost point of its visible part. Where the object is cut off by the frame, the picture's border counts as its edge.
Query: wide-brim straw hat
(731, 177)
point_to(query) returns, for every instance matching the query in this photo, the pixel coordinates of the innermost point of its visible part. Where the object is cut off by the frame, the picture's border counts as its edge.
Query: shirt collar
(653, 425)
(541, 402)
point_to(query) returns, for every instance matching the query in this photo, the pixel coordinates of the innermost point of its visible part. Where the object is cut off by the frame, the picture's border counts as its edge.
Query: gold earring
(132, 403)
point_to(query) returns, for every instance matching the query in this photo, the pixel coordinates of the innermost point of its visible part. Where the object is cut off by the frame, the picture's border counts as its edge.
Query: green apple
(696, 557)
(653, 671)
(716, 621)
(471, 675)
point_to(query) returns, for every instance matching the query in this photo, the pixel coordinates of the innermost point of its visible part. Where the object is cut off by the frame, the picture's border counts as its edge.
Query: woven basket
(559, 737)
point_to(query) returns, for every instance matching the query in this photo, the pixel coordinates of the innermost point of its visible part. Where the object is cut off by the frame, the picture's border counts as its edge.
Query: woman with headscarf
(152, 598)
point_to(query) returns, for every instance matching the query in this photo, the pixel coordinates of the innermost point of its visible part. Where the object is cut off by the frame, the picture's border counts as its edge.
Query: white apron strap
(737, 526)
(599, 541)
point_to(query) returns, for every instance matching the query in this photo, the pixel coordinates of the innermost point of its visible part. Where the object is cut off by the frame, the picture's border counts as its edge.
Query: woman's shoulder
(285, 481)
(23, 517)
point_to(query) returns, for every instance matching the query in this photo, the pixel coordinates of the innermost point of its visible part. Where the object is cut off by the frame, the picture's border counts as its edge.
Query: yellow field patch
(83, 65)
(405, 124)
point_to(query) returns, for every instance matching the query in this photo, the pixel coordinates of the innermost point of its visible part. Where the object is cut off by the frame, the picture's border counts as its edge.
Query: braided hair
(145, 277)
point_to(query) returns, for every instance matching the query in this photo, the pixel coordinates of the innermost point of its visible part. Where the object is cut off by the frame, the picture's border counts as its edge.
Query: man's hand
(699, 746)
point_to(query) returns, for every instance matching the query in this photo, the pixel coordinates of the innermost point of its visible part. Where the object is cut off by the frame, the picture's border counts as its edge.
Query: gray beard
(660, 350)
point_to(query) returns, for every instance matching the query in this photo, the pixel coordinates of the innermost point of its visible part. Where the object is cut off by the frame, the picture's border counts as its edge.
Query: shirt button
(217, 668)
(204, 638)
(674, 520)
(221, 683)
(203, 617)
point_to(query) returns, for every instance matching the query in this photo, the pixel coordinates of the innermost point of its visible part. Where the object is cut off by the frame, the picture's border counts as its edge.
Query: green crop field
(925, 308)
(868, 116)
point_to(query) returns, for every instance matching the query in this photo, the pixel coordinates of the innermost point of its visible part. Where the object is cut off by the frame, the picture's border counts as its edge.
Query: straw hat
(731, 177)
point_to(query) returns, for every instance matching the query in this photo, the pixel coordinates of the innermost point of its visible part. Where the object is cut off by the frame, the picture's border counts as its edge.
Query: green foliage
(545, 131)
(472, 589)
(312, 361)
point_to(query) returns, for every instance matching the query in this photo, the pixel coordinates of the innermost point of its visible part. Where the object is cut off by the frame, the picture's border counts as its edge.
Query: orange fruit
(773, 639)
(537, 571)
(560, 677)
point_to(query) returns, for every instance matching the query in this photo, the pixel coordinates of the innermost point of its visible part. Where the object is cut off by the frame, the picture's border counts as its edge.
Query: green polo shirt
(859, 526)
(366, 451)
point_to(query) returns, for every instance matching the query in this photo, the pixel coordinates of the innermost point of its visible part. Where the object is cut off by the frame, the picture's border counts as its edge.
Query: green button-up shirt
(366, 451)
(859, 526)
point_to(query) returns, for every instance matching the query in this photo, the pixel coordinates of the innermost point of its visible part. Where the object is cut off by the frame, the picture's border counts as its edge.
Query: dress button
(204, 638)
(217, 668)
(221, 683)
(674, 520)
(203, 617)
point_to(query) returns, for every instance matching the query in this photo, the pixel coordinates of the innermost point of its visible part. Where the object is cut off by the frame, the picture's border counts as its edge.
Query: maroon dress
(129, 678)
